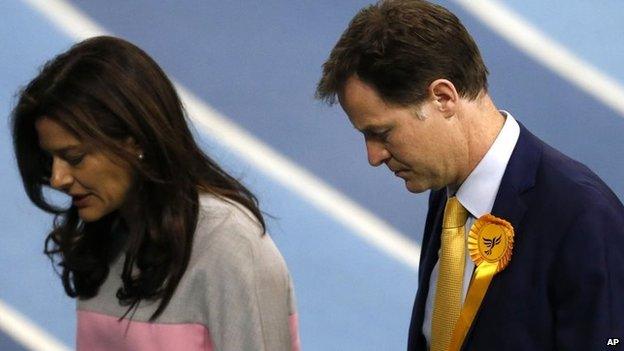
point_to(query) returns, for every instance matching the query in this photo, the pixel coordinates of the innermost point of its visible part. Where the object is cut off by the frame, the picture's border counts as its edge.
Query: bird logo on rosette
(491, 240)
(490, 243)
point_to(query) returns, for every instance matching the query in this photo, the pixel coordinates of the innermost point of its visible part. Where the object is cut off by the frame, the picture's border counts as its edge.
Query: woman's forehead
(54, 137)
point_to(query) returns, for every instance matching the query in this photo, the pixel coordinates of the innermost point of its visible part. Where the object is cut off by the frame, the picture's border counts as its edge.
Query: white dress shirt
(477, 195)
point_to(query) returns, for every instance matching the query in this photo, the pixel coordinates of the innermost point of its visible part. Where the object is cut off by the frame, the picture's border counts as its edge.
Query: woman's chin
(90, 214)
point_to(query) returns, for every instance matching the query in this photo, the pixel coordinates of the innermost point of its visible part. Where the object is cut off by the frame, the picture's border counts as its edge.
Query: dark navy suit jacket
(564, 286)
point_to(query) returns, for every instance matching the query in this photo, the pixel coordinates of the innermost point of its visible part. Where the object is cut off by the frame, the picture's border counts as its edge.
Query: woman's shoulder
(230, 239)
(225, 225)
(216, 211)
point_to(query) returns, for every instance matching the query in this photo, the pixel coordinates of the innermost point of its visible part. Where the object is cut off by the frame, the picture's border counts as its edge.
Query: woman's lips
(80, 200)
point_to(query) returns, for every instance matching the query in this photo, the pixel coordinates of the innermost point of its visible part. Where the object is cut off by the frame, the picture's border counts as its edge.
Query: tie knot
(455, 215)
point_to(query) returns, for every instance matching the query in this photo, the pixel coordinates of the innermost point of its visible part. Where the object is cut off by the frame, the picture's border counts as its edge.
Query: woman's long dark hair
(106, 90)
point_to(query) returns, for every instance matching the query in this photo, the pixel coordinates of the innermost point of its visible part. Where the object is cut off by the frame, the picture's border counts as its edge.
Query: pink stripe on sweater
(293, 323)
(98, 332)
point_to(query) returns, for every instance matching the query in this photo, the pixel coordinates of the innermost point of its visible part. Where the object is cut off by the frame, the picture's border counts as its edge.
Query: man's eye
(377, 135)
(383, 135)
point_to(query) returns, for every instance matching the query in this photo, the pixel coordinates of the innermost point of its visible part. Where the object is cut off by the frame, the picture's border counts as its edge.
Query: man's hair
(400, 47)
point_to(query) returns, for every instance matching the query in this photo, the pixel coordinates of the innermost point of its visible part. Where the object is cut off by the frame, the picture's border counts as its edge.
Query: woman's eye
(74, 160)
(46, 167)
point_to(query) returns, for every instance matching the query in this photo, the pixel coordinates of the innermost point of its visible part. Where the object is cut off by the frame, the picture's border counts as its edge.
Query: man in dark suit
(412, 80)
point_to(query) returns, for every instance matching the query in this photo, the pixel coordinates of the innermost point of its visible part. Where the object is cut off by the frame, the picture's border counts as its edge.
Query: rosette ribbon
(490, 244)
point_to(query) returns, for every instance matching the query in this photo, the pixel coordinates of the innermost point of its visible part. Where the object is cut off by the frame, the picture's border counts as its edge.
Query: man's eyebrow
(370, 129)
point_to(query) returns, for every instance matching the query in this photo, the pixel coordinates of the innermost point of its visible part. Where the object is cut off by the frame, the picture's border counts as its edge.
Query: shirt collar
(478, 192)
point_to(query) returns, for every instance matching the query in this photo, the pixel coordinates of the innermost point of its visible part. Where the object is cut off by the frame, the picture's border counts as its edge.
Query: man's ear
(444, 96)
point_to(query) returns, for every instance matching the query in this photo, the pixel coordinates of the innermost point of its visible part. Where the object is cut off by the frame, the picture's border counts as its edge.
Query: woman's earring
(141, 156)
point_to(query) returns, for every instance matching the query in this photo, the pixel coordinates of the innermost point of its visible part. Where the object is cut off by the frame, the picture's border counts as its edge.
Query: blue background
(258, 63)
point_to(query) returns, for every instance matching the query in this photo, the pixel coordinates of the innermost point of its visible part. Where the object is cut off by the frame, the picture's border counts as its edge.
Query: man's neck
(483, 123)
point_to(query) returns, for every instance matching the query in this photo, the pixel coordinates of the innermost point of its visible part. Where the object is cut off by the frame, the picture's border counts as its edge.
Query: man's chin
(416, 188)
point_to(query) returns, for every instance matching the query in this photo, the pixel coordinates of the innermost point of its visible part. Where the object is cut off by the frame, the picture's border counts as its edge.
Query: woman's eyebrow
(60, 151)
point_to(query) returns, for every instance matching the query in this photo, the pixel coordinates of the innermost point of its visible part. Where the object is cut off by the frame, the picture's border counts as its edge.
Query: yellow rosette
(490, 244)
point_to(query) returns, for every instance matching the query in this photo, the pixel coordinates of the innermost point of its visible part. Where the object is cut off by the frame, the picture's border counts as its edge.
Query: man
(412, 80)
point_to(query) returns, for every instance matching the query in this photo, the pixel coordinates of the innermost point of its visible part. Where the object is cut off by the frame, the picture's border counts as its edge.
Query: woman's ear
(131, 146)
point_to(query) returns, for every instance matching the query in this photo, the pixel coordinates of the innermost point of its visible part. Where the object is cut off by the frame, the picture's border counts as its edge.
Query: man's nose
(61, 177)
(377, 153)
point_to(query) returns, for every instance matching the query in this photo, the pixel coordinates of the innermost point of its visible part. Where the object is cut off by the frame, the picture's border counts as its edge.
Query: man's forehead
(357, 90)
(369, 123)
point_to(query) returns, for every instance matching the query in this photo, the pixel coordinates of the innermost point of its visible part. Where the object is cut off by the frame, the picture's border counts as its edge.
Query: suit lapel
(511, 199)
(519, 177)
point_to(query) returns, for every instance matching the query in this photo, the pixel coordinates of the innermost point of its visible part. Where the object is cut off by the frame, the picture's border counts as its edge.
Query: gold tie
(447, 303)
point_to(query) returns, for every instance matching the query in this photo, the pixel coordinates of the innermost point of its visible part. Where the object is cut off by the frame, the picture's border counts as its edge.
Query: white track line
(551, 54)
(26, 332)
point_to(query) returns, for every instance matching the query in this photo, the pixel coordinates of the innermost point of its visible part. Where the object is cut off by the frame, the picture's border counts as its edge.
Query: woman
(163, 249)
